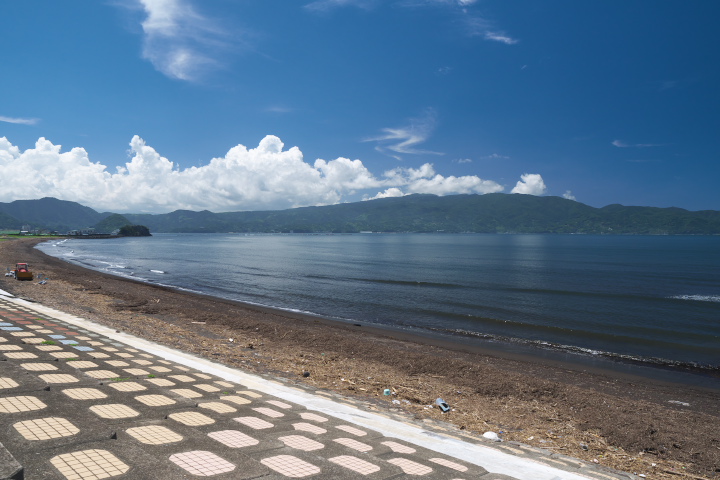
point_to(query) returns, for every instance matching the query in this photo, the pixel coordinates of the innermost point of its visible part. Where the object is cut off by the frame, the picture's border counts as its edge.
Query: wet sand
(635, 424)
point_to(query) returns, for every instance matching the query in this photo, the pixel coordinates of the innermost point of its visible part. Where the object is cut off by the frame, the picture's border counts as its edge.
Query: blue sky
(154, 105)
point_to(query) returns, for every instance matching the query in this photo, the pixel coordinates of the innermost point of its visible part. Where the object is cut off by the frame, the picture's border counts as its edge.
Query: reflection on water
(639, 296)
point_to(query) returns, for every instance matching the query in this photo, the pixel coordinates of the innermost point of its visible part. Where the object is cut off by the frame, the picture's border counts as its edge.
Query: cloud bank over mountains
(267, 177)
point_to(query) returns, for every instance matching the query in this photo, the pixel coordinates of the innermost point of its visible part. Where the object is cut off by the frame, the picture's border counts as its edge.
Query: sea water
(644, 299)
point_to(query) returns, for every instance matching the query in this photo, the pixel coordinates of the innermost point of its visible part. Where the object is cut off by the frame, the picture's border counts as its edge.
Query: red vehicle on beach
(22, 272)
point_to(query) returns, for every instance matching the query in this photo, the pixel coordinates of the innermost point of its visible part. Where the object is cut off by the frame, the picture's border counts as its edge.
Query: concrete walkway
(81, 401)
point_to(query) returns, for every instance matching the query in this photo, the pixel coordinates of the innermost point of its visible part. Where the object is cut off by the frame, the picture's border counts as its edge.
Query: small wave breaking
(559, 347)
(698, 298)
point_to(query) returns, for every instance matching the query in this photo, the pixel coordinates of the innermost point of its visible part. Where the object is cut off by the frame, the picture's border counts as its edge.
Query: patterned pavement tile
(352, 430)
(233, 438)
(309, 427)
(410, 467)
(290, 466)
(218, 407)
(84, 393)
(82, 364)
(114, 410)
(269, 412)
(7, 382)
(20, 404)
(9, 348)
(249, 393)
(313, 417)
(193, 419)
(99, 355)
(38, 367)
(89, 464)
(161, 382)
(23, 334)
(235, 399)
(254, 422)
(154, 435)
(355, 464)
(141, 362)
(279, 404)
(46, 428)
(20, 355)
(447, 463)
(202, 463)
(101, 374)
(160, 369)
(354, 444)
(186, 392)
(117, 363)
(155, 400)
(206, 387)
(399, 447)
(49, 348)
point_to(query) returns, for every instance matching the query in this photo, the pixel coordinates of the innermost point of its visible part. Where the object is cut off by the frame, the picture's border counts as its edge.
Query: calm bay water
(655, 298)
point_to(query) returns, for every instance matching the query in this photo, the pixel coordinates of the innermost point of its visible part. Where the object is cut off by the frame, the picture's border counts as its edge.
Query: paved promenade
(81, 401)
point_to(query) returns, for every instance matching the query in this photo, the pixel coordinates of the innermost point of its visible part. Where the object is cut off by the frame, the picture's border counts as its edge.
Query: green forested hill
(52, 213)
(491, 213)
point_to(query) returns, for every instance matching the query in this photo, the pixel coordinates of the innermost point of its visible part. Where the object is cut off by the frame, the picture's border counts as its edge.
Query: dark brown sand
(622, 422)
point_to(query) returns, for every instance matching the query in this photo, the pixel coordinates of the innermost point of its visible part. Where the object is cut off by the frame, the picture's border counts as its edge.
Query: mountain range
(490, 213)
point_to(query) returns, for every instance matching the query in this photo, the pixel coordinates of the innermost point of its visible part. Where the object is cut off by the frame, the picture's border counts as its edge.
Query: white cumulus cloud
(266, 177)
(530, 184)
(425, 180)
(389, 193)
(569, 195)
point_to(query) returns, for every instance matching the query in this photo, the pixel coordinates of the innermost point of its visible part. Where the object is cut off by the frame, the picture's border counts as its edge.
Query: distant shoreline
(423, 213)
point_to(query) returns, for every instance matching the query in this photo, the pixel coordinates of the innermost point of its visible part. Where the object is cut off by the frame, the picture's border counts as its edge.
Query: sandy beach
(662, 430)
